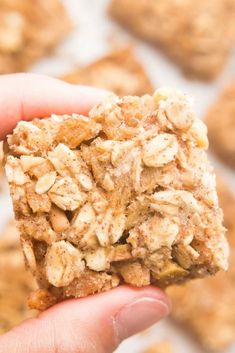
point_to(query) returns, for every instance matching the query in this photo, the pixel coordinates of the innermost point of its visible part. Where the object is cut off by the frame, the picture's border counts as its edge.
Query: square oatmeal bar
(198, 35)
(119, 72)
(211, 300)
(29, 30)
(125, 195)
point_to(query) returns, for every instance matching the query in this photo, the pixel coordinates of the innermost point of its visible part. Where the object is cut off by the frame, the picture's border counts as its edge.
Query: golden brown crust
(221, 127)
(197, 35)
(206, 307)
(29, 30)
(124, 195)
(41, 299)
(15, 283)
(119, 72)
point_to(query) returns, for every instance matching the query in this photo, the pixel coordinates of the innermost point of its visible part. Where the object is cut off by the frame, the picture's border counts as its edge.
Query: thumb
(96, 324)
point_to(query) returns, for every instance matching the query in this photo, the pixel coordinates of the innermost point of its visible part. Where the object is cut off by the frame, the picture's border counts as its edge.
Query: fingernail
(139, 315)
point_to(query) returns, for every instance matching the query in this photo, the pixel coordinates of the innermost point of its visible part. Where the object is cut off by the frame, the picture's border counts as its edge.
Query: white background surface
(90, 39)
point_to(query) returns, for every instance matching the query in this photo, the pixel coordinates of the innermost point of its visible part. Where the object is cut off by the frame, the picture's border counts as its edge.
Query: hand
(96, 324)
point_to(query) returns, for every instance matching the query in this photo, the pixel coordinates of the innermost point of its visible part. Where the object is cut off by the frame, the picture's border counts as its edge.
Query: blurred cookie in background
(15, 282)
(119, 72)
(198, 35)
(29, 30)
(160, 347)
(221, 125)
(207, 307)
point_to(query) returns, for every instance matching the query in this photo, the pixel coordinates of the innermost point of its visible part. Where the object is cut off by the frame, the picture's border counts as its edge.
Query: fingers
(96, 324)
(26, 96)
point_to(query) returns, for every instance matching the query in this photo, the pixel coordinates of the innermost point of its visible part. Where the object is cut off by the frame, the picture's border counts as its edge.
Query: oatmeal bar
(125, 195)
(207, 307)
(29, 30)
(119, 72)
(15, 283)
(160, 347)
(221, 128)
(198, 35)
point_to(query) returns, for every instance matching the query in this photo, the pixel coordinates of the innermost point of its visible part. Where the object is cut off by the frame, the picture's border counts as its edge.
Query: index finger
(27, 96)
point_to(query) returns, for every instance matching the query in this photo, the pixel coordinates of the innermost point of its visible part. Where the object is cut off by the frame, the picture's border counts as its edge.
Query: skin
(99, 323)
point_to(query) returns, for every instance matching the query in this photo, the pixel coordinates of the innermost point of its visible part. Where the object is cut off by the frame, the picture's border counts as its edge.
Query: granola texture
(221, 128)
(160, 347)
(119, 72)
(15, 282)
(198, 35)
(206, 307)
(124, 195)
(29, 30)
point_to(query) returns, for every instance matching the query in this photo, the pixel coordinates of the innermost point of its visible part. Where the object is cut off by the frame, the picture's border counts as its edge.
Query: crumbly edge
(217, 307)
